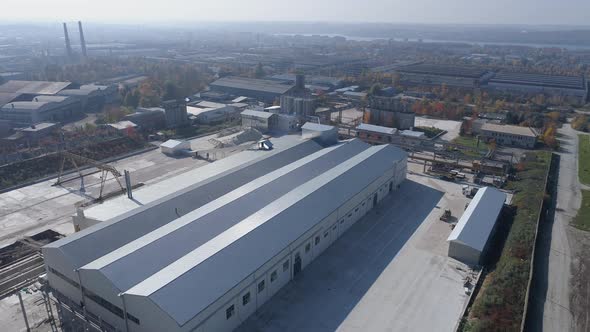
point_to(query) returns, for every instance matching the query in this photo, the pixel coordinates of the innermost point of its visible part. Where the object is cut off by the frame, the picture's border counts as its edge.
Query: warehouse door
(390, 186)
(375, 200)
(297, 265)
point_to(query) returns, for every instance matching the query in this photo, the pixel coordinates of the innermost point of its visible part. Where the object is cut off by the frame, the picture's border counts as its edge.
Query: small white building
(468, 240)
(173, 147)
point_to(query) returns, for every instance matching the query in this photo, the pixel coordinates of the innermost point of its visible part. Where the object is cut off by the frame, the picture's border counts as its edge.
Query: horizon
(458, 12)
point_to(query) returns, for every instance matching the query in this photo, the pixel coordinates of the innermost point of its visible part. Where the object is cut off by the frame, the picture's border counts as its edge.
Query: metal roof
(171, 143)
(507, 129)
(252, 84)
(185, 287)
(317, 127)
(33, 87)
(478, 220)
(258, 114)
(160, 203)
(136, 261)
(376, 129)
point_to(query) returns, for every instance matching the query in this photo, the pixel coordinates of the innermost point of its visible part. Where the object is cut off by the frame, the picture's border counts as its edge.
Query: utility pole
(22, 306)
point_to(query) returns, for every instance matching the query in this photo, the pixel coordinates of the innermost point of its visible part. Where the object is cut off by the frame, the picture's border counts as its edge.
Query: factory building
(210, 268)
(468, 240)
(572, 88)
(93, 97)
(523, 137)
(259, 120)
(41, 109)
(375, 134)
(267, 91)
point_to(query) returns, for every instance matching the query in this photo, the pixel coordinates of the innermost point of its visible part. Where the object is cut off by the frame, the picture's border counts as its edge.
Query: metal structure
(76, 160)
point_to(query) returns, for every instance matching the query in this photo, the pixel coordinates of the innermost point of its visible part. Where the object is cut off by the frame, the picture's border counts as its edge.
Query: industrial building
(436, 75)
(390, 112)
(93, 97)
(206, 256)
(211, 112)
(175, 112)
(267, 91)
(41, 109)
(298, 101)
(262, 121)
(375, 134)
(468, 240)
(572, 87)
(523, 137)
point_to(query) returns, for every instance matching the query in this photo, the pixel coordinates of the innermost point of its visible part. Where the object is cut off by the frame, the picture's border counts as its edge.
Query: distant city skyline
(526, 12)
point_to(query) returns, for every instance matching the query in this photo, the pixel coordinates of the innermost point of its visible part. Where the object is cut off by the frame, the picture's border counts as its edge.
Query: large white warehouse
(209, 268)
(469, 238)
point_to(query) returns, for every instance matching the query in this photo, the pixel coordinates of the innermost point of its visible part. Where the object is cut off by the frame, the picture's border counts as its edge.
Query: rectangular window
(317, 240)
(261, 286)
(334, 227)
(356, 210)
(325, 235)
(273, 276)
(342, 221)
(307, 247)
(286, 265)
(349, 215)
(246, 298)
(229, 312)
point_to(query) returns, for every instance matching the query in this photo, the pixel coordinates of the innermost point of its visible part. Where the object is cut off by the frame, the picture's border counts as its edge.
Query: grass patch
(499, 305)
(582, 219)
(471, 142)
(584, 159)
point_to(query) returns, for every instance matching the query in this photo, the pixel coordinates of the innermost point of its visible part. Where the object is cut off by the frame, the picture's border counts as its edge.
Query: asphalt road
(551, 308)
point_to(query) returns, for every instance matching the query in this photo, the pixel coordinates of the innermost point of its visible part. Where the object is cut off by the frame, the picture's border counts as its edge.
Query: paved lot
(389, 272)
(37, 207)
(452, 127)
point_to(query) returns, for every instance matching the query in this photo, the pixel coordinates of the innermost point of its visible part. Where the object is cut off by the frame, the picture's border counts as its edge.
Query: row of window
(229, 312)
(95, 298)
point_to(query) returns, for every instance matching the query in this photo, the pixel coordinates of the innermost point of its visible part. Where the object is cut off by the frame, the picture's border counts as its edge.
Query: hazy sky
(570, 12)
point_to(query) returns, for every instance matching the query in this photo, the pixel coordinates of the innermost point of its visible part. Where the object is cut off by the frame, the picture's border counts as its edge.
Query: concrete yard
(389, 272)
(452, 127)
(40, 206)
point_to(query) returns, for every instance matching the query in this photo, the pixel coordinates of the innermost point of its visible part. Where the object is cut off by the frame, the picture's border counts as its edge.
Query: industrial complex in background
(305, 183)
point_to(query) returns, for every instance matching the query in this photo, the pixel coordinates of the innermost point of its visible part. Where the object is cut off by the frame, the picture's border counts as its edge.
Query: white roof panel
(478, 220)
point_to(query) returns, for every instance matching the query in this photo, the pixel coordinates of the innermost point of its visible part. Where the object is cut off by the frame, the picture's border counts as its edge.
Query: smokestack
(82, 41)
(68, 46)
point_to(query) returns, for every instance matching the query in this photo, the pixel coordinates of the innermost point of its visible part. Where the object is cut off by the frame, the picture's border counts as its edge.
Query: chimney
(82, 41)
(300, 82)
(68, 46)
